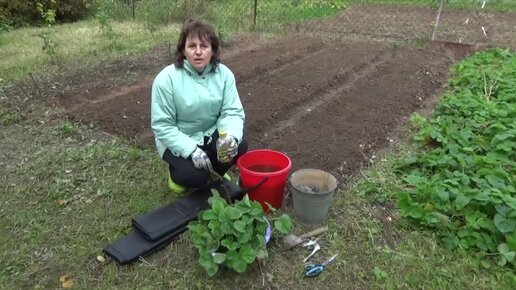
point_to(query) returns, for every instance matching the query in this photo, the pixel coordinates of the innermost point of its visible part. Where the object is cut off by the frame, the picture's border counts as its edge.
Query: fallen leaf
(101, 259)
(68, 284)
(62, 202)
(66, 281)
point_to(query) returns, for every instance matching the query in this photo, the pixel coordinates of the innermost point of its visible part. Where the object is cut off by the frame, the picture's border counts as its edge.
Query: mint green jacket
(187, 105)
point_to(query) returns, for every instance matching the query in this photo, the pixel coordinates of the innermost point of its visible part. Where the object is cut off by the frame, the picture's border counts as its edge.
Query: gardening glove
(201, 160)
(233, 147)
(231, 150)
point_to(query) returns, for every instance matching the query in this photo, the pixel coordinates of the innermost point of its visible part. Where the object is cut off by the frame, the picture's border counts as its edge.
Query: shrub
(15, 13)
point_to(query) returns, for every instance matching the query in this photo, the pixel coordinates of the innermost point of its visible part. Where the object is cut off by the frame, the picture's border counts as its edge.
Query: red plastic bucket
(272, 166)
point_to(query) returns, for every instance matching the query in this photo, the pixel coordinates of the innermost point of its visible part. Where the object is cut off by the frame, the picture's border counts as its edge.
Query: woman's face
(198, 52)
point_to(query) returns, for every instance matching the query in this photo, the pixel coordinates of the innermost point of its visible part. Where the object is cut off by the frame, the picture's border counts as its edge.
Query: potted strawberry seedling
(234, 235)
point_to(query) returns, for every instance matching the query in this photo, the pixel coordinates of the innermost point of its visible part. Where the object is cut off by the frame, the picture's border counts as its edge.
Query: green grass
(59, 188)
(81, 43)
(68, 190)
(498, 5)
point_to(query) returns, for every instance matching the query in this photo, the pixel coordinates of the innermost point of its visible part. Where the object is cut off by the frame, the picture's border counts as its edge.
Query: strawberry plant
(461, 177)
(233, 236)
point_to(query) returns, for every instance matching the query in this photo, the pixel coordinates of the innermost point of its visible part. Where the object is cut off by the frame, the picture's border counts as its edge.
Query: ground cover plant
(463, 176)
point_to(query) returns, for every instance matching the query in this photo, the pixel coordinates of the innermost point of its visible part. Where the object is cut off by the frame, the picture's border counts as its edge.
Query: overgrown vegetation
(462, 174)
(19, 13)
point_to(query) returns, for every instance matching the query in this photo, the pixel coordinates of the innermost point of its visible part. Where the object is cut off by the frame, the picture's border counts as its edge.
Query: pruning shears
(313, 270)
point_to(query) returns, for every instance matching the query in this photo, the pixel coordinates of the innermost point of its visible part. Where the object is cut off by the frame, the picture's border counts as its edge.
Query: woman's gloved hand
(201, 160)
(232, 148)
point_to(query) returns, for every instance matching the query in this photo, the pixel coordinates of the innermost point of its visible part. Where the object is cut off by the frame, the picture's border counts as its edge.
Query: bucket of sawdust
(312, 192)
(265, 172)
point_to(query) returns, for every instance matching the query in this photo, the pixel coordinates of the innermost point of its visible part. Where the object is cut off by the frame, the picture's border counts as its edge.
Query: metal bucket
(312, 193)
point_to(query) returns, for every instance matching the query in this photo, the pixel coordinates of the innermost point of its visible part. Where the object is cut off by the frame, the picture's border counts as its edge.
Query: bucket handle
(251, 188)
(243, 190)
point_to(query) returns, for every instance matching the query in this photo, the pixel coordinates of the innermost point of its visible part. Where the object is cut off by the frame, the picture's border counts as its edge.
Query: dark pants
(183, 171)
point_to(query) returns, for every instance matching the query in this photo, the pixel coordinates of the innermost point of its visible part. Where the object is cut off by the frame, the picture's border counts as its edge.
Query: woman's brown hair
(203, 31)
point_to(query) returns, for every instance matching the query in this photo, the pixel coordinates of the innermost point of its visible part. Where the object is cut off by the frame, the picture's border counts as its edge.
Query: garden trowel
(292, 240)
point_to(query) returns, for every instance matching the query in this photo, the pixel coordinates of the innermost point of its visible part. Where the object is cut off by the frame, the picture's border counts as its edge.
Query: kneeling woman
(192, 101)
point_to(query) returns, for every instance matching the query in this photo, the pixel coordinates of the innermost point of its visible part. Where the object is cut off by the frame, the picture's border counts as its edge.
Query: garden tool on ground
(292, 240)
(311, 244)
(313, 270)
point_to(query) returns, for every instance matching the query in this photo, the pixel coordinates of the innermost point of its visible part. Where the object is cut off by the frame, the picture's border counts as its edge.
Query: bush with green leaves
(233, 235)
(461, 177)
(105, 18)
(17, 13)
(48, 35)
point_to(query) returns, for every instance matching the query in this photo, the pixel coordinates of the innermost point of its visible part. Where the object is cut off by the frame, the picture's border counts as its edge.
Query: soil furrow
(141, 87)
(127, 114)
(360, 119)
(292, 118)
(328, 104)
(271, 57)
(267, 101)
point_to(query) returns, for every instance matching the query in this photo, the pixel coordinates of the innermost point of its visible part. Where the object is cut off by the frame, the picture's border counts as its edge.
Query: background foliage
(15, 13)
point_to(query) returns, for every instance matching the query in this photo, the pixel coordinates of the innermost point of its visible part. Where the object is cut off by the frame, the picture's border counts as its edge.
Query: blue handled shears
(313, 270)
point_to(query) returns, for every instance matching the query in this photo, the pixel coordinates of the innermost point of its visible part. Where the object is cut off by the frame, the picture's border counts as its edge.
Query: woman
(192, 100)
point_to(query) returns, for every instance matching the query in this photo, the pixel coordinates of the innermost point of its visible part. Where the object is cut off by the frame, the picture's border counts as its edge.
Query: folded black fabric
(165, 224)
(159, 223)
(131, 247)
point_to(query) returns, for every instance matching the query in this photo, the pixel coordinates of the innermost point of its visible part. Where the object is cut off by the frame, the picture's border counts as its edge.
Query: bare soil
(327, 103)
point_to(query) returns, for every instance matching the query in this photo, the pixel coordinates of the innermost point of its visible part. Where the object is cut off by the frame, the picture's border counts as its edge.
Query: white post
(437, 18)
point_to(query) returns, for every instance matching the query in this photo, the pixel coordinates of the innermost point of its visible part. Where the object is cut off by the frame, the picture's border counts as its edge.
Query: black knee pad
(191, 178)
